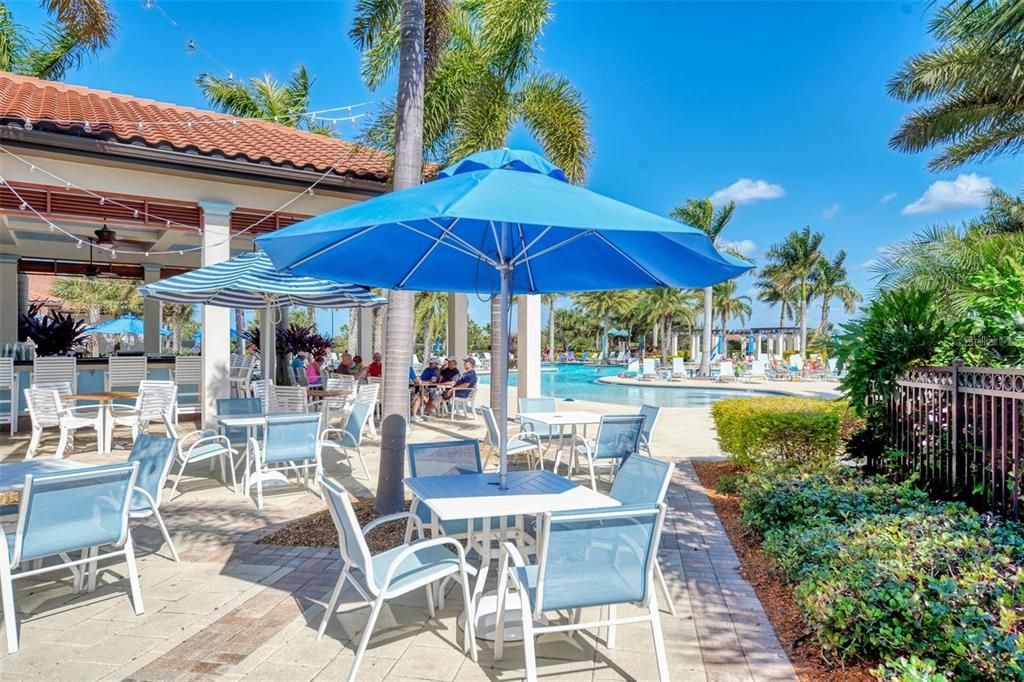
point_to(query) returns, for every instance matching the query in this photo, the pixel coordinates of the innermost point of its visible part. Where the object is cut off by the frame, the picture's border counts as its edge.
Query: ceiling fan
(93, 271)
(108, 238)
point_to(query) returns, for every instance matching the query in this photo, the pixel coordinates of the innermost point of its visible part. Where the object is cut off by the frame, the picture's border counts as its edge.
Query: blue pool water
(580, 382)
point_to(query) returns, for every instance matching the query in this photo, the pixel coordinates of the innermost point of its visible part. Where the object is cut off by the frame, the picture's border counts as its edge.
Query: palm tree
(431, 316)
(482, 80)
(701, 214)
(78, 28)
(407, 173)
(792, 263)
(662, 308)
(773, 291)
(829, 281)
(550, 300)
(95, 297)
(264, 98)
(969, 89)
(604, 306)
(729, 306)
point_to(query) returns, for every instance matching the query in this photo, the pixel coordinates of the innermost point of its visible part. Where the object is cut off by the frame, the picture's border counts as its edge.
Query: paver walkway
(233, 608)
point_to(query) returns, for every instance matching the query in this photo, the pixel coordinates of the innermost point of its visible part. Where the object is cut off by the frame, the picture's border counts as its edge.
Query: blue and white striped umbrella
(251, 281)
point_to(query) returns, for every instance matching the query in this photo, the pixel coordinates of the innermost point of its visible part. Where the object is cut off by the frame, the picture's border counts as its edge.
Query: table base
(487, 617)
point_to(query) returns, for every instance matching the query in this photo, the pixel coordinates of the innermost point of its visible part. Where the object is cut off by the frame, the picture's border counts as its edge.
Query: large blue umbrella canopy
(250, 280)
(503, 221)
(126, 324)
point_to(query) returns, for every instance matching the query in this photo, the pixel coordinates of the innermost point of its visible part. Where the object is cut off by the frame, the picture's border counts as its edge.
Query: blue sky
(782, 105)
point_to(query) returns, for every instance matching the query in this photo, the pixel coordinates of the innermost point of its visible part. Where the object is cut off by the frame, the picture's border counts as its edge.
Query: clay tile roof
(63, 108)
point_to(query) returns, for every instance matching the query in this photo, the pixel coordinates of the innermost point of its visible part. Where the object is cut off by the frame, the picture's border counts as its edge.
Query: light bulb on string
(78, 245)
(86, 127)
(32, 169)
(23, 206)
(190, 48)
(113, 254)
(28, 125)
(147, 4)
(52, 227)
(135, 213)
(102, 201)
(310, 191)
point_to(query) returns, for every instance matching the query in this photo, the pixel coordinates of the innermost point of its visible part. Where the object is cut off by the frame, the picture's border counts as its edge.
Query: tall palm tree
(792, 263)
(431, 316)
(482, 80)
(95, 297)
(969, 89)
(729, 306)
(701, 214)
(604, 306)
(774, 291)
(550, 300)
(829, 281)
(662, 308)
(407, 173)
(264, 98)
(78, 28)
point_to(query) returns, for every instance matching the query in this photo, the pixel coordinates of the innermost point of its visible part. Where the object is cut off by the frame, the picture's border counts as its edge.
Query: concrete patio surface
(232, 608)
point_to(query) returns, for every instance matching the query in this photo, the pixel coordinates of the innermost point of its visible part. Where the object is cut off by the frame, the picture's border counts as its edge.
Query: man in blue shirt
(430, 375)
(468, 379)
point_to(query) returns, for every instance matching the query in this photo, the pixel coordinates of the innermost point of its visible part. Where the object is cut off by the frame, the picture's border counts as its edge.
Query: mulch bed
(317, 530)
(776, 597)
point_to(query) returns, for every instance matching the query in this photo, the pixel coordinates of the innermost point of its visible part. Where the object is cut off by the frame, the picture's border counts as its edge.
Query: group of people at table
(435, 384)
(348, 365)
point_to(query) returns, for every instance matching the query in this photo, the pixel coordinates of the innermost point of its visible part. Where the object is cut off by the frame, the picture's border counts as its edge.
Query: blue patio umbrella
(750, 345)
(618, 333)
(721, 343)
(199, 334)
(500, 222)
(126, 324)
(250, 280)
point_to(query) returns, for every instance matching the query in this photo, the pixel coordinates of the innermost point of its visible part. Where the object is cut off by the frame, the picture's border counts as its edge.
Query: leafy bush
(883, 574)
(791, 431)
(54, 334)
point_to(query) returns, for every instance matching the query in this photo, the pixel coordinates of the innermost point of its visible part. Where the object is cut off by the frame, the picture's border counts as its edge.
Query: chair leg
(430, 600)
(467, 599)
(659, 641)
(367, 633)
(33, 445)
(10, 615)
(593, 479)
(529, 650)
(664, 587)
(133, 575)
(499, 627)
(612, 615)
(234, 479)
(93, 568)
(63, 443)
(167, 536)
(177, 479)
(332, 604)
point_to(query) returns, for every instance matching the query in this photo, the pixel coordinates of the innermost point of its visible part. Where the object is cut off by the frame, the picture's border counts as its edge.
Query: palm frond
(91, 21)
(229, 96)
(509, 31)
(554, 111)
(61, 51)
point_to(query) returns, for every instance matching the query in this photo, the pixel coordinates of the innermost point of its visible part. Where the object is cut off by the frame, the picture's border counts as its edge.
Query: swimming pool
(580, 382)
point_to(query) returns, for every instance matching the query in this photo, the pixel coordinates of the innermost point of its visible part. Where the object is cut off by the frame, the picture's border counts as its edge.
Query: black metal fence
(961, 431)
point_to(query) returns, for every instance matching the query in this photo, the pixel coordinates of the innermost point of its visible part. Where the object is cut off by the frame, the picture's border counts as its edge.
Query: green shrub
(803, 432)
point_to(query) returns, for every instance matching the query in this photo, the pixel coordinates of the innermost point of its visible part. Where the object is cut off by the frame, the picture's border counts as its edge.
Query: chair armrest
(415, 547)
(201, 433)
(345, 435)
(68, 409)
(529, 436)
(254, 448)
(212, 439)
(149, 498)
(395, 517)
(511, 552)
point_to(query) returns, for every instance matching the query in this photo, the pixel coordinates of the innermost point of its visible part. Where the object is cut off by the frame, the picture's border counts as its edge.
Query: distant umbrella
(126, 324)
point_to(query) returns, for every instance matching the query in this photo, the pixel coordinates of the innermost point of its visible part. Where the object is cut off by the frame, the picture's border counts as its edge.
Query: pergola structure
(180, 188)
(767, 340)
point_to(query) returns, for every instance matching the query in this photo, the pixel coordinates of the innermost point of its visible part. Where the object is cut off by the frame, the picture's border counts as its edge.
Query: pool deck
(828, 390)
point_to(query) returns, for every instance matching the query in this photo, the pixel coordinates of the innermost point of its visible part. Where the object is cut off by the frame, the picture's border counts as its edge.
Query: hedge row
(933, 591)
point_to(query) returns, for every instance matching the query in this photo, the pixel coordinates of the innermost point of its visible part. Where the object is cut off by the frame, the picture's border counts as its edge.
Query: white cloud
(886, 198)
(830, 212)
(744, 247)
(967, 191)
(745, 191)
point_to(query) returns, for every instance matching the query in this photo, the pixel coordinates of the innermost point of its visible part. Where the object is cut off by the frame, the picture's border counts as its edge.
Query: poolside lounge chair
(650, 370)
(726, 372)
(633, 367)
(756, 371)
(779, 373)
(678, 369)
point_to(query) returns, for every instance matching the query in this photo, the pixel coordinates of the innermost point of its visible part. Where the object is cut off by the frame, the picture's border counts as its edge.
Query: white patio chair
(47, 410)
(203, 446)
(337, 407)
(370, 393)
(678, 369)
(726, 372)
(55, 371)
(126, 373)
(155, 399)
(241, 375)
(188, 374)
(757, 371)
(394, 572)
(618, 437)
(264, 391)
(9, 386)
(351, 435)
(650, 370)
(289, 399)
(65, 512)
(620, 545)
(153, 455)
(527, 443)
(465, 405)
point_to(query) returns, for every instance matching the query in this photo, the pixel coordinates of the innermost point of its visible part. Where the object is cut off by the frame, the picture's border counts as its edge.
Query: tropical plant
(77, 29)
(265, 98)
(431, 315)
(662, 308)
(478, 336)
(702, 214)
(180, 320)
(407, 173)
(56, 333)
(773, 289)
(604, 306)
(944, 258)
(96, 297)
(969, 89)
(482, 80)
(728, 305)
(578, 330)
(793, 263)
(828, 282)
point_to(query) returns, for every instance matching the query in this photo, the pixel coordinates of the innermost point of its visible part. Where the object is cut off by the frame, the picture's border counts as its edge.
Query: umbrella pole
(268, 343)
(499, 368)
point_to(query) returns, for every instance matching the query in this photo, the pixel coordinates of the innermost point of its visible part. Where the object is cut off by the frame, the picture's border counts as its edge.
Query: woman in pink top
(313, 373)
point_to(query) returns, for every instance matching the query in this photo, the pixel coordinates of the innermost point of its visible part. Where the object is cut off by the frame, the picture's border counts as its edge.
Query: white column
(675, 344)
(780, 344)
(528, 348)
(757, 346)
(216, 348)
(458, 326)
(365, 336)
(694, 343)
(8, 298)
(151, 311)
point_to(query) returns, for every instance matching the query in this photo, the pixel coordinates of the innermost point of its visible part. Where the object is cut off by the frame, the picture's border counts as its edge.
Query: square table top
(568, 418)
(234, 420)
(102, 396)
(12, 474)
(470, 496)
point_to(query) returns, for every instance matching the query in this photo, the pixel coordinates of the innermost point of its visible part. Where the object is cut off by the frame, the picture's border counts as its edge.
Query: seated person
(376, 369)
(358, 368)
(430, 375)
(313, 377)
(466, 382)
(345, 368)
(449, 376)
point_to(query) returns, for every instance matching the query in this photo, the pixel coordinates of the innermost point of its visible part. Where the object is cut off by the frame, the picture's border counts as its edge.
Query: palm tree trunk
(283, 368)
(408, 173)
(311, 316)
(604, 339)
(378, 330)
(239, 328)
(823, 324)
(551, 330)
(353, 330)
(709, 320)
(666, 331)
(803, 318)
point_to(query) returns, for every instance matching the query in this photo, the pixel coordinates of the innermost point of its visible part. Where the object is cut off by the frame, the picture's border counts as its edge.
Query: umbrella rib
(497, 243)
(631, 260)
(515, 258)
(321, 251)
(529, 268)
(473, 253)
(437, 242)
(553, 247)
(470, 249)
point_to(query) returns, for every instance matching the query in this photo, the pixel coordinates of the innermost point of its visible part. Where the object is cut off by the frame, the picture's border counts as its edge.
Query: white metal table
(561, 420)
(478, 496)
(12, 475)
